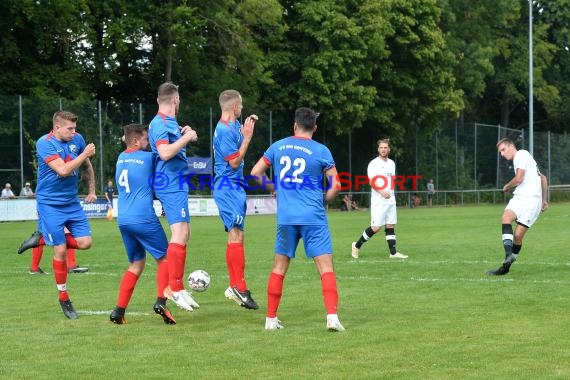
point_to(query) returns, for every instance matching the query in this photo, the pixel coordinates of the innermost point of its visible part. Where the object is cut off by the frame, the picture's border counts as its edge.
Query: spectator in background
(430, 192)
(416, 200)
(27, 191)
(348, 204)
(109, 192)
(7, 191)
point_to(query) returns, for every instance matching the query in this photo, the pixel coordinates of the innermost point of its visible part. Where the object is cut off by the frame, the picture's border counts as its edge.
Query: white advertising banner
(25, 209)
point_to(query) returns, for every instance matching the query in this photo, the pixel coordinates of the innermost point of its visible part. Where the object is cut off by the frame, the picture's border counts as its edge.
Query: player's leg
(154, 241)
(175, 206)
(375, 224)
(508, 217)
(127, 287)
(52, 219)
(37, 253)
(318, 246)
(286, 241)
(72, 266)
(520, 232)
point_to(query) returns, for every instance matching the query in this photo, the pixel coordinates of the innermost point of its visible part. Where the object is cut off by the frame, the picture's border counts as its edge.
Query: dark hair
(133, 130)
(306, 118)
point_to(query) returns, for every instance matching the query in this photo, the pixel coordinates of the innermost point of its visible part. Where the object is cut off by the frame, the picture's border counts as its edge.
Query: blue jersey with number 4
(134, 172)
(299, 165)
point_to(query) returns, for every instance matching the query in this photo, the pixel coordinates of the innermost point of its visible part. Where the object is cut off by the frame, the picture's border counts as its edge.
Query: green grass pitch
(435, 315)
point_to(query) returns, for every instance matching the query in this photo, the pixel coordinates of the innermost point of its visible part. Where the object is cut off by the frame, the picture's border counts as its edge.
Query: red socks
(126, 289)
(70, 241)
(71, 263)
(274, 292)
(235, 260)
(60, 273)
(330, 293)
(161, 277)
(176, 256)
(37, 254)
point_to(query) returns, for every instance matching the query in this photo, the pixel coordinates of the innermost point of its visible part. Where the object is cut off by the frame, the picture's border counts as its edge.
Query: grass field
(435, 315)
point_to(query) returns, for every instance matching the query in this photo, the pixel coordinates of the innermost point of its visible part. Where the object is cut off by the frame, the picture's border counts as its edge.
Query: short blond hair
(228, 97)
(64, 115)
(166, 91)
(385, 141)
(506, 141)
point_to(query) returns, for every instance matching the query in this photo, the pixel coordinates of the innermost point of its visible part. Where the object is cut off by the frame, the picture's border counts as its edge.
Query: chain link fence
(460, 158)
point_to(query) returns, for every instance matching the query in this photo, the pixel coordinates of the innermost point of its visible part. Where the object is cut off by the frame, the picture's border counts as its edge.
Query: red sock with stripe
(60, 273)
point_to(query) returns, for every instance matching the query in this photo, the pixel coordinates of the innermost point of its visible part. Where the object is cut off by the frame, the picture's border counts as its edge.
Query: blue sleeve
(327, 160)
(227, 142)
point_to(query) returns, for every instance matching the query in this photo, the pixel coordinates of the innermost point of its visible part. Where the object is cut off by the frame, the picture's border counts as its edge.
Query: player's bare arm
(258, 172)
(335, 185)
(544, 188)
(167, 151)
(90, 178)
(247, 131)
(65, 169)
(519, 177)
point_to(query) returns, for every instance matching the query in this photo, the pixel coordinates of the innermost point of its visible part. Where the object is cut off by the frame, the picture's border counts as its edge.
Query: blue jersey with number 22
(299, 165)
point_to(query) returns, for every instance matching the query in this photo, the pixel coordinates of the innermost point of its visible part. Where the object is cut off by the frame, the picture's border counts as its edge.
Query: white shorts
(382, 214)
(527, 209)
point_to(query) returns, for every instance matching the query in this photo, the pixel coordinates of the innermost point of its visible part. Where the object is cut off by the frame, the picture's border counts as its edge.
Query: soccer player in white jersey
(381, 171)
(530, 198)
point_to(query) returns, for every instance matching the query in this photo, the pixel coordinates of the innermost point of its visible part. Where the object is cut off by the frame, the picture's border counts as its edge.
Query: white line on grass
(105, 312)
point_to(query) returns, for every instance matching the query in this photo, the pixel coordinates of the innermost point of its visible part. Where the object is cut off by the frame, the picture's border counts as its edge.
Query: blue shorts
(232, 206)
(316, 240)
(175, 206)
(142, 238)
(53, 218)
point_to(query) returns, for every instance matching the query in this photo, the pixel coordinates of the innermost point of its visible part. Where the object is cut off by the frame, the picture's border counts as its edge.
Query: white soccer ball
(199, 280)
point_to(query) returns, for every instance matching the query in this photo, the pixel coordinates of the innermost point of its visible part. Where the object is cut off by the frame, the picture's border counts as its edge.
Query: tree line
(370, 67)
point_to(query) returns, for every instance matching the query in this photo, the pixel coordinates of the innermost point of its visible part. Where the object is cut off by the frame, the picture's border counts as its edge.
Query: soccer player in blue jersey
(231, 141)
(140, 228)
(299, 164)
(60, 154)
(168, 140)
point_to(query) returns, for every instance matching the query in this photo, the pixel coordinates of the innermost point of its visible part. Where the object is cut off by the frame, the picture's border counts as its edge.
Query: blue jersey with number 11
(134, 172)
(299, 165)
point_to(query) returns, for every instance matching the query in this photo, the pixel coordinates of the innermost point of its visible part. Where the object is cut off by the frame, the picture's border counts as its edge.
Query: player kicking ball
(530, 198)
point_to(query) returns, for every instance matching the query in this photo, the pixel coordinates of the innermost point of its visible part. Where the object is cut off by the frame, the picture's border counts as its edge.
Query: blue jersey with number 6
(299, 165)
(134, 172)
